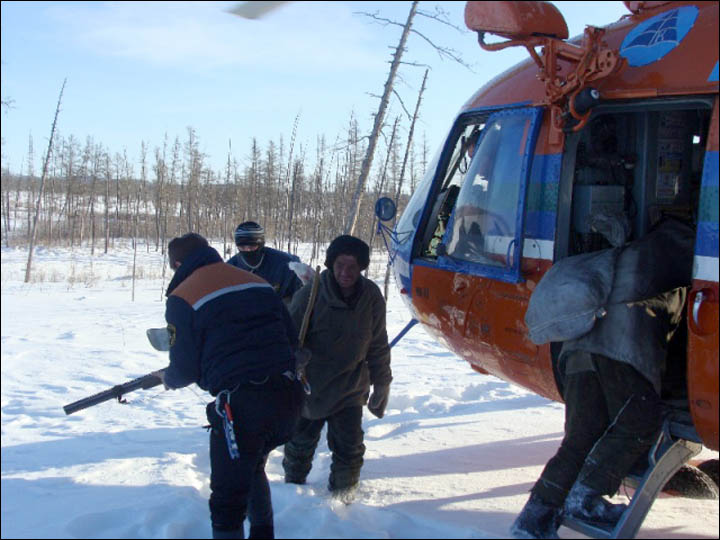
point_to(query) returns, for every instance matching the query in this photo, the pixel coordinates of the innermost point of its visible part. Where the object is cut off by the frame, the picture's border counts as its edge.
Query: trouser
(264, 416)
(612, 417)
(345, 440)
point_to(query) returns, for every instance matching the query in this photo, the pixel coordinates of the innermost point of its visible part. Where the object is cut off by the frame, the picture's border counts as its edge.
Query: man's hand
(160, 374)
(302, 359)
(379, 399)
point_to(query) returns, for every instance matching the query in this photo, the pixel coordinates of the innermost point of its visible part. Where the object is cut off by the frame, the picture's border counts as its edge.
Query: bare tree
(377, 126)
(28, 268)
(405, 159)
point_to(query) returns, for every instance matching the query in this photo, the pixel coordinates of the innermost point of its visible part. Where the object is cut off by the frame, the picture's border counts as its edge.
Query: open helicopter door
(703, 301)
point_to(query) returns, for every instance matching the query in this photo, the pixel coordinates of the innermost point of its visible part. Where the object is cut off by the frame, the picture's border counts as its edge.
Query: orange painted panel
(703, 362)
(482, 321)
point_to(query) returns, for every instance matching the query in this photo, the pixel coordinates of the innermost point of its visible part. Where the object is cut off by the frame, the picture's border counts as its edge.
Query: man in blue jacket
(270, 264)
(233, 336)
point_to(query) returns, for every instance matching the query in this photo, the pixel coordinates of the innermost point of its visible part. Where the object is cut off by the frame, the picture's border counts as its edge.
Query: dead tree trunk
(379, 117)
(33, 234)
(404, 164)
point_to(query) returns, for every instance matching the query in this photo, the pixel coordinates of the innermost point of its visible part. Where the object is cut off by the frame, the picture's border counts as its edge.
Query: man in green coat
(349, 350)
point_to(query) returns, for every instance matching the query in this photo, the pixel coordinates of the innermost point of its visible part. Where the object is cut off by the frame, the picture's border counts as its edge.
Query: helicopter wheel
(710, 467)
(692, 482)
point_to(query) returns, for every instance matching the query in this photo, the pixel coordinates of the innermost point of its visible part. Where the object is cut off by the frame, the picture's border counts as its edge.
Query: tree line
(93, 196)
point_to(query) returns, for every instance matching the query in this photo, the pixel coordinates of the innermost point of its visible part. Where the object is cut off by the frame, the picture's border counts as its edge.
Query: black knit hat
(180, 248)
(348, 245)
(250, 233)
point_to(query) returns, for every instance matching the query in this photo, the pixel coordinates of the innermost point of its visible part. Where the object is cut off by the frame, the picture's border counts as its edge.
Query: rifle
(117, 391)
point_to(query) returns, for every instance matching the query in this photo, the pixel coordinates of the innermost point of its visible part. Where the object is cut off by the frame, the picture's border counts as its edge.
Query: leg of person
(299, 450)
(260, 511)
(585, 422)
(634, 407)
(279, 400)
(230, 481)
(345, 440)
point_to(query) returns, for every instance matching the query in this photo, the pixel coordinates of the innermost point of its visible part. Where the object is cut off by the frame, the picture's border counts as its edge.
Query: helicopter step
(670, 452)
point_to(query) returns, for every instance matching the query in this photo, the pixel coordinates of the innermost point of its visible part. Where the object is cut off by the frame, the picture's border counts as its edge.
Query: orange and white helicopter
(621, 119)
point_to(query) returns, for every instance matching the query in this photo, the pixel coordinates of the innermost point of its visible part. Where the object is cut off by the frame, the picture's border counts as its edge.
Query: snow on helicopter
(623, 119)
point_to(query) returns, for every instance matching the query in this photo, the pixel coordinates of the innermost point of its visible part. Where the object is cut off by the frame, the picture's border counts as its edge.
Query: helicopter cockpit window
(459, 164)
(484, 225)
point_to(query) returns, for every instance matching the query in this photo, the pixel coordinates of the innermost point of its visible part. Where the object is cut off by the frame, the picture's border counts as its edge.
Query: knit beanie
(180, 248)
(348, 245)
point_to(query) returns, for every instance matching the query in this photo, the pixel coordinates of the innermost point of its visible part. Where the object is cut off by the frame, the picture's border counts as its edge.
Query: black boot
(586, 504)
(294, 479)
(344, 494)
(262, 531)
(537, 520)
(228, 535)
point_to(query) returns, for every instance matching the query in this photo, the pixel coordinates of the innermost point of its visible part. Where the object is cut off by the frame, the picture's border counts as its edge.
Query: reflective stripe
(226, 290)
(705, 268)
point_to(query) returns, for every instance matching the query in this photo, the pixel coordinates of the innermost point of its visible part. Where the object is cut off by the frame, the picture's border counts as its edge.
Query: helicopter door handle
(699, 297)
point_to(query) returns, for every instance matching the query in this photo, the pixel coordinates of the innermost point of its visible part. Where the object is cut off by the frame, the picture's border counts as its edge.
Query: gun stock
(117, 391)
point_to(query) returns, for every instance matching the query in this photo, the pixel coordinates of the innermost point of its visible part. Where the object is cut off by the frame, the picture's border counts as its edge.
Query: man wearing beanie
(268, 263)
(233, 336)
(349, 350)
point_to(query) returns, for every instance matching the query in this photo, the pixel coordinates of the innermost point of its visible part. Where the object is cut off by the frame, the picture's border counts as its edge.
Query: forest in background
(94, 196)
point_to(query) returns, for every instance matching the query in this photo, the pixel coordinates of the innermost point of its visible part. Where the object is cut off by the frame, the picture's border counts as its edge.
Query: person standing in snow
(349, 351)
(233, 336)
(270, 264)
(612, 377)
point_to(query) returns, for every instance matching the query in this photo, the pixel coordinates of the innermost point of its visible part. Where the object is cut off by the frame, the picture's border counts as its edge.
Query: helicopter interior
(631, 165)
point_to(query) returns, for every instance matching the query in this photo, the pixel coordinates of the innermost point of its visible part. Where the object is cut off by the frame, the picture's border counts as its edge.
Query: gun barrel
(117, 391)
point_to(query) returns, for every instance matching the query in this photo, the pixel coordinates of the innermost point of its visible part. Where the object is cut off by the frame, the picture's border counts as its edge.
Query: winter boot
(261, 531)
(294, 479)
(344, 494)
(586, 504)
(537, 520)
(228, 535)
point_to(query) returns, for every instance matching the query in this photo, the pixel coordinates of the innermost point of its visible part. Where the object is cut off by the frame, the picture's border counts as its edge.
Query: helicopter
(621, 120)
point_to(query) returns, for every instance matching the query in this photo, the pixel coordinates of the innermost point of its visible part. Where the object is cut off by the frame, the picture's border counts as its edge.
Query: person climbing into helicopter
(349, 351)
(270, 264)
(611, 375)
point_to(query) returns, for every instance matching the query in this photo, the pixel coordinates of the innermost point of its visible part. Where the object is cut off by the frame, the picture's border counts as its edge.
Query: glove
(379, 399)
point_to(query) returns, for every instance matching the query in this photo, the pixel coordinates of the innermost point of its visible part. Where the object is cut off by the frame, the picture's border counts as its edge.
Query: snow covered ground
(454, 456)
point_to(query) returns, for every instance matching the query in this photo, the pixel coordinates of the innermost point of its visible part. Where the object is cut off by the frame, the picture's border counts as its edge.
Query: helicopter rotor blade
(254, 10)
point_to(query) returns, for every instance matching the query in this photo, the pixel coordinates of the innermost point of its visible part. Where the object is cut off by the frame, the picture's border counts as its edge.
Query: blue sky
(138, 70)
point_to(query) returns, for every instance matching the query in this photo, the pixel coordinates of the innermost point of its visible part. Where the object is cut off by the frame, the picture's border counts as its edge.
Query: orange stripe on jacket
(213, 277)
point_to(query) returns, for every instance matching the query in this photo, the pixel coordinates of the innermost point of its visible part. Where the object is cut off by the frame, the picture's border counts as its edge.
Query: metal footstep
(665, 458)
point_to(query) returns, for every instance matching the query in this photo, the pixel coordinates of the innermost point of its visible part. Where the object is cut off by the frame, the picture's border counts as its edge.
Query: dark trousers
(264, 416)
(612, 418)
(345, 440)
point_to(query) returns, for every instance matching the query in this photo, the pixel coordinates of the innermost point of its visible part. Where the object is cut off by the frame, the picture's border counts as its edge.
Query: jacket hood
(196, 259)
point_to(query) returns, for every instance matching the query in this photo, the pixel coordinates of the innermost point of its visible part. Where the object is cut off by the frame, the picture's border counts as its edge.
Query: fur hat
(180, 248)
(348, 245)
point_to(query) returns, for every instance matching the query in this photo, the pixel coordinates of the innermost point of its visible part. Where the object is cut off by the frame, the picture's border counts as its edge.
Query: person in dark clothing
(233, 336)
(612, 385)
(347, 340)
(270, 264)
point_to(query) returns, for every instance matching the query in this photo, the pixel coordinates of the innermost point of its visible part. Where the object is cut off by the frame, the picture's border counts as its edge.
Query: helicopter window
(458, 166)
(411, 215)
(484, 225)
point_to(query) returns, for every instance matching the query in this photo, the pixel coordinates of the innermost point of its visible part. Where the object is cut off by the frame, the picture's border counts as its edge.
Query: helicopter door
(484, 234)
(703, 301)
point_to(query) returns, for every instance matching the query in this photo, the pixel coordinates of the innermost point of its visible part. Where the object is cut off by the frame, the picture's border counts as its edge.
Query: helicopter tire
(692, 482)
(710, 467)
